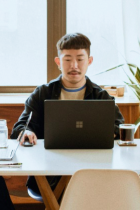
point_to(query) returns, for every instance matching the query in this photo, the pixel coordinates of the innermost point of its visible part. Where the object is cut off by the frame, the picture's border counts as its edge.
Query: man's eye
(67, 60)
(80, 59)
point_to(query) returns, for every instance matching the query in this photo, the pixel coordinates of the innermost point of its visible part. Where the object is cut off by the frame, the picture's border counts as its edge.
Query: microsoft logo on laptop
(79, 124)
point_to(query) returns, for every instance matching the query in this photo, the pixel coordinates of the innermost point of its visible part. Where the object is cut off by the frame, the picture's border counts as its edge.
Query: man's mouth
(73, 72)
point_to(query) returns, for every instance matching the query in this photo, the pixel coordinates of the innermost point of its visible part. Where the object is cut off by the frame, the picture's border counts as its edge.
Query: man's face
(73, 64)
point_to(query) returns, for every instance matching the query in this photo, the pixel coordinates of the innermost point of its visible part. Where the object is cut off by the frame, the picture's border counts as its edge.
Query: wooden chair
(102, 190)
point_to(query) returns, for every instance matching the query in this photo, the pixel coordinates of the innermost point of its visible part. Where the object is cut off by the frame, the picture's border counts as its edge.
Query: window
(30, 29)
(100, 21)
(113, 27)
(23, 42)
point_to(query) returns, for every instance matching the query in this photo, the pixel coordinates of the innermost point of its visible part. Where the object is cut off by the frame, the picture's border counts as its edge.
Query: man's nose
(74, 64)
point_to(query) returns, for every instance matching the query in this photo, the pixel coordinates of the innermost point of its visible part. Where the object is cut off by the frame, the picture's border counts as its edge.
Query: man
(73, 61)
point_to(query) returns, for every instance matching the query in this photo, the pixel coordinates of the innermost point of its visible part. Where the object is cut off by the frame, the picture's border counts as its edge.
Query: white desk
(40, 162)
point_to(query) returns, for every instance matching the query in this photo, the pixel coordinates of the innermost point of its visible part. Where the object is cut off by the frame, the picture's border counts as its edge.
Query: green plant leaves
(109, 69)
(134, 80)
(134, 85)
(136, 88)
(137, 75)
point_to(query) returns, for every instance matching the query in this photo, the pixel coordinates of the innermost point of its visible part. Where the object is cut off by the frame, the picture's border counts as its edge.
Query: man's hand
(30, 135)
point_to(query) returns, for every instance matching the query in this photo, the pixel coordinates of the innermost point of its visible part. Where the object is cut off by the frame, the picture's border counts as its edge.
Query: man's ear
(90, 60)
(57, 61)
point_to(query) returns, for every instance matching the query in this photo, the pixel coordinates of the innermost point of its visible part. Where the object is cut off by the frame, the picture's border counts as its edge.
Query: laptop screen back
(80, 124)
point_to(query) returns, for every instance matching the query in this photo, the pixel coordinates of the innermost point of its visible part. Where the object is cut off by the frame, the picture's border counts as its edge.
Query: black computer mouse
(26, 143)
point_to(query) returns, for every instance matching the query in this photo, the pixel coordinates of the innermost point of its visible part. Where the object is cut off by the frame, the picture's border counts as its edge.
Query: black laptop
(79, 124)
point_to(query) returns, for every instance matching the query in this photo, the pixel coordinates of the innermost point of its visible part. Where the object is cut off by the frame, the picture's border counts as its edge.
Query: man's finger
(23, 139)
(32, 138)
(35, 139)
(30, 135)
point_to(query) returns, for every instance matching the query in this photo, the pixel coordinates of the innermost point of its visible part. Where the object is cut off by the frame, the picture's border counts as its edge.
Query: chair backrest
(102, 190)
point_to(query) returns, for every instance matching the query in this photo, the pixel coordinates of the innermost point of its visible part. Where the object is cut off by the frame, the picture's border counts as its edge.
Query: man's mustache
(74, 71)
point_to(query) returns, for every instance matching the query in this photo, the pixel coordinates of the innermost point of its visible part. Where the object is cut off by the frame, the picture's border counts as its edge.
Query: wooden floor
(22, 201)
(18, 193)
